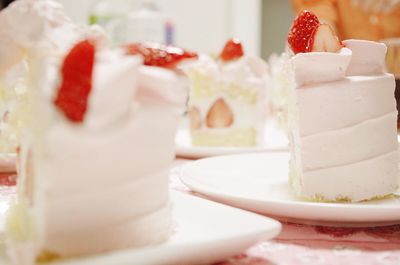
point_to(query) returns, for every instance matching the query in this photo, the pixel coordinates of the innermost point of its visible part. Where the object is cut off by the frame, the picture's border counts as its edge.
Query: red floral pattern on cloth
(300, 244)
(8, 179)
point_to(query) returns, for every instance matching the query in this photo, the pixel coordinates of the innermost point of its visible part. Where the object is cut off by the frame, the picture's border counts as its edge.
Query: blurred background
(205, 25)
(262, 25)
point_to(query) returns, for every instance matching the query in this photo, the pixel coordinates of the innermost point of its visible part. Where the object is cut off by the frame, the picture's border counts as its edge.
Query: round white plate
(258, 182)
(206, 232)
(274, 140)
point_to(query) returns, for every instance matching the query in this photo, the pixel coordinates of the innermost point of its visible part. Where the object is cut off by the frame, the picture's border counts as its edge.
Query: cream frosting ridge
(343, 122)
(368, 57)
(109, 154)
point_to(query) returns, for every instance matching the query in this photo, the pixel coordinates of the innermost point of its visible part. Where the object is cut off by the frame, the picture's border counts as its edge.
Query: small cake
(94, 167)
(227, 104)
(278, 87)
(342, 116)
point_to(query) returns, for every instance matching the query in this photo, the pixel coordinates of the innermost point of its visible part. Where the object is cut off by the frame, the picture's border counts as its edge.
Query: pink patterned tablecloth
(304, 244)
(317, 245)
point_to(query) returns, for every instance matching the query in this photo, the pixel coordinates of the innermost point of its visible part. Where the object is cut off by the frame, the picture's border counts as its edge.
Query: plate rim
(270, 229)
(239, 200)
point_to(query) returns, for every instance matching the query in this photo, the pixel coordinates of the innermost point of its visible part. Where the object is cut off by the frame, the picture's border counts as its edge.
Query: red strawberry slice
(325, 40)
(76, 84)
(219, 115)
(160, 55)
(301, 35)
(232, 50)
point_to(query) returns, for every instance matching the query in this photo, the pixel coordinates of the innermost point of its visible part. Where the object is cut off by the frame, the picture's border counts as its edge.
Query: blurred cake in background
(227, 104)
(342, 116)
(278, 89)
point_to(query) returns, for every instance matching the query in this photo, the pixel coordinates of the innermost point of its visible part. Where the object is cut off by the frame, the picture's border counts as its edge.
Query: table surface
(299, 244)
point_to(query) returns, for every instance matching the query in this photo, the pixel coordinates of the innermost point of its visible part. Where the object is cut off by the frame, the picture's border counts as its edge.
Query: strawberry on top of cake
(157, 54)
(308, 34)
(161, 72)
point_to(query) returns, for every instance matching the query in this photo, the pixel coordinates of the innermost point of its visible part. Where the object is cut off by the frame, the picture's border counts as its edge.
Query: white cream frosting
(343, 124)
(368, 57)
(374, 138)
(10, 53)
(163, 84)
(112, 98)
(39, 26)
(103, 184)
(95, 169)
(28, 23)
(317, 67)
(205, 65)
(343, 103)
(245, 70)
(42, 16)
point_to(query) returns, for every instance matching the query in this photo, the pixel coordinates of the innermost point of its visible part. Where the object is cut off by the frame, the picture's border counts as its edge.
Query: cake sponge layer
(232, 137)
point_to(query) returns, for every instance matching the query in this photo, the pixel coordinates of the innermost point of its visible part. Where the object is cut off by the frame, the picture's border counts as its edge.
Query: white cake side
(344, 103)
(343, 130)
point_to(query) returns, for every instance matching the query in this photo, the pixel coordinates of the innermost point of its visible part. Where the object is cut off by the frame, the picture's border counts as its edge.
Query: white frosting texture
(368, 57)
(99, 185)
(317, 67)
(343, 103)
(39, 26)
(244, 70)
(28, 24)
(342, 118)
(107, 179)
(31, 29)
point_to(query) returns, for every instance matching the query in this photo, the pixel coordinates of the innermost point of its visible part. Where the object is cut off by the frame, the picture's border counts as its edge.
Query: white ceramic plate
(274, 140)
(206, 232)
(258, 182)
